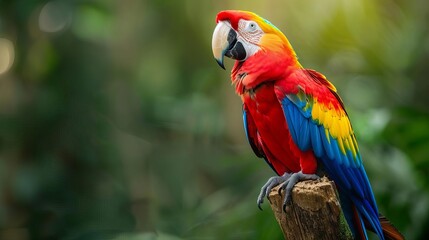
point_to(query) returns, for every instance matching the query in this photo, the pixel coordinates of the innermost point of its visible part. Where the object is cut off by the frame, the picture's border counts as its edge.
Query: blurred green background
(117, 123)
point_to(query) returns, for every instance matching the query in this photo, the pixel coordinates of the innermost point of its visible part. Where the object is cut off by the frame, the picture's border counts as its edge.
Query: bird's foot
(287, 185)
(270, 184)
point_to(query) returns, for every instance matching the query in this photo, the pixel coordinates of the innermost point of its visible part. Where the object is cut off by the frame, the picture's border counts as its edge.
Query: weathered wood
(315, 212)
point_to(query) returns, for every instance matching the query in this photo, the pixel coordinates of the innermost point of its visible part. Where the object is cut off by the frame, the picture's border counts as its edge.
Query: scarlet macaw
(295, 119)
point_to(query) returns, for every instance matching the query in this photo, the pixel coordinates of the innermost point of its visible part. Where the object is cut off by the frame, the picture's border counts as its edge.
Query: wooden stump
(315, 212)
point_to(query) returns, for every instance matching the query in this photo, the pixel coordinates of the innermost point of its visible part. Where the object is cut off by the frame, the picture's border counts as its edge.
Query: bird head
(258, 47)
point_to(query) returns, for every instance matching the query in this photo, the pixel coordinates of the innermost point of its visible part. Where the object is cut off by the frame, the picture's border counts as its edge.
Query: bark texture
(314, 213)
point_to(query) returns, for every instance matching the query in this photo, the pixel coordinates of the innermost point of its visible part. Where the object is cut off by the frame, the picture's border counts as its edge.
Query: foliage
(116, 123)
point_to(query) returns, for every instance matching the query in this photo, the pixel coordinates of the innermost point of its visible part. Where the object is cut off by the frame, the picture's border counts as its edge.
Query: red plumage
(267, 116)
(262, 103)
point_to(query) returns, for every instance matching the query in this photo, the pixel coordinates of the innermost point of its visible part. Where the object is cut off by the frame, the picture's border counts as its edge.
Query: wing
(318, 121)
(253, 136)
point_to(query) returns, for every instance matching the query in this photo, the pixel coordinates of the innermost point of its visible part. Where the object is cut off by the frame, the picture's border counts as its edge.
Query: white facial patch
(250, 34)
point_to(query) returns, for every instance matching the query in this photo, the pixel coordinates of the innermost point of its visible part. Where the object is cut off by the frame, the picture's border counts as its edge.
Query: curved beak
(225, 43)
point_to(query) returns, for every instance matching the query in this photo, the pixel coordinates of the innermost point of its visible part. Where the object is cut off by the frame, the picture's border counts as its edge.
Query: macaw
(295, 119)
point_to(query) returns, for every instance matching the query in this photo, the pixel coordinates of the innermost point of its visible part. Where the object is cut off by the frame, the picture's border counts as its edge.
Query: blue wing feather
(293, 123)
(350, 158)
(304, 136)
(316, 142)
(245, 124)
(326, 143)
(345, 169)
(336, 150)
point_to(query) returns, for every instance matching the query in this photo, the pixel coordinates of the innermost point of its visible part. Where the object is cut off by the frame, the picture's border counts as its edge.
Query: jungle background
(117, 123)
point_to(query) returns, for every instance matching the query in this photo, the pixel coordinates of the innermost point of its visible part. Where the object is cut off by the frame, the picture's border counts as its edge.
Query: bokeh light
(7, 55)
(54, 16)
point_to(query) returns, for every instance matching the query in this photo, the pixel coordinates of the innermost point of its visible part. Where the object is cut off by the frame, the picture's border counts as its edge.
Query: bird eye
(252, 26)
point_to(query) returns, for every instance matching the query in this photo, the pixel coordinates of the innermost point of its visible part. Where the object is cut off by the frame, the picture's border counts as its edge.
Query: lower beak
(225, 43)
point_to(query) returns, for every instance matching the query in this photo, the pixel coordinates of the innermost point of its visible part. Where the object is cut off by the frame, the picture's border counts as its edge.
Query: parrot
(295, 119)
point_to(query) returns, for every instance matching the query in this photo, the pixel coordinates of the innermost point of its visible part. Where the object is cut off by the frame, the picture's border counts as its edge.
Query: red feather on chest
(274, 136)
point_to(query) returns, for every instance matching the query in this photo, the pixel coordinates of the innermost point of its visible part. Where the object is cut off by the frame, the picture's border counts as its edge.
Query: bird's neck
(262, 67)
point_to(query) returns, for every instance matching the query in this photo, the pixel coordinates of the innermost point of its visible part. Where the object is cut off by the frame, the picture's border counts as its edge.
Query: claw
(268, 186)
(279, 191)
(290, 183)
(259, 206)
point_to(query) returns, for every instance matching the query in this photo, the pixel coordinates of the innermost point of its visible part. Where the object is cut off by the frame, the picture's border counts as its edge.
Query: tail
(360, 232)
(390, 232)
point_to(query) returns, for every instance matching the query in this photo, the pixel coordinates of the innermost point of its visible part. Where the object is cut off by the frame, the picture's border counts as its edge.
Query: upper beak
(221, 41)
(225, 43)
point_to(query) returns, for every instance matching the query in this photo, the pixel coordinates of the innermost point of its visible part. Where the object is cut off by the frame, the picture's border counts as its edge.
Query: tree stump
(314, 213)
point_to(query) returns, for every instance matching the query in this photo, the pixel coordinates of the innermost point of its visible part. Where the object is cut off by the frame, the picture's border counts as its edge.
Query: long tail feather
(360, 233)
(390, 232)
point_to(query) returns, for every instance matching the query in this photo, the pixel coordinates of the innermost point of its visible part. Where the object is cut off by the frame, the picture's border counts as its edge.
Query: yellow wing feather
(336, 124)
